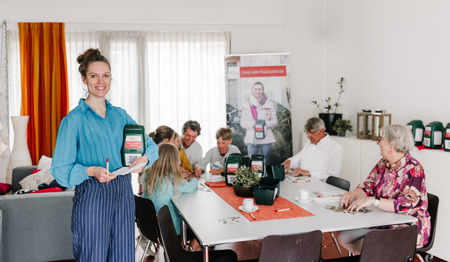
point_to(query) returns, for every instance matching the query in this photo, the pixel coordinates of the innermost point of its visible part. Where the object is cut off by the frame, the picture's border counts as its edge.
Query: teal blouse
(86, 139)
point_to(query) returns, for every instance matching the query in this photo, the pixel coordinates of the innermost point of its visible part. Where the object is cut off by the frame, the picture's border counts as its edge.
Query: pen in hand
(107, 171)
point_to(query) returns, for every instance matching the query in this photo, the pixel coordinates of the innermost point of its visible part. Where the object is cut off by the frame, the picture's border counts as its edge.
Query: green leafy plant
(245, 176)
(330, 106)
(342, 125)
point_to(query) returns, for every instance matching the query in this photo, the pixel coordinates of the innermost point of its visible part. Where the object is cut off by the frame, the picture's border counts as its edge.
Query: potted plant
(246, 179)
(329, 115)
(342, 125)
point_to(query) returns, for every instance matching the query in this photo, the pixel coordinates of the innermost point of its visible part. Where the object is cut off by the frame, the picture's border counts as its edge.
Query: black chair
(433, 203)
(339, 182)
(147, 223)
(344, 185)
(173, 251)
(295, 247)
(387, 245)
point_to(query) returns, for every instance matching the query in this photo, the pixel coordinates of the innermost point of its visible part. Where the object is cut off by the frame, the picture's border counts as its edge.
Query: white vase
(20, 155)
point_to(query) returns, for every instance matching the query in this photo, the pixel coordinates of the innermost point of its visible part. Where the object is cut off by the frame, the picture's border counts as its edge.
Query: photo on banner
(258, 105)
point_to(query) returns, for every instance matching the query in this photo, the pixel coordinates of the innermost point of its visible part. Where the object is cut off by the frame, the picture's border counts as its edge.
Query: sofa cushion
(44, 162)
(35, 171)
(4, 188)
(33, 181)
(48, 190)
(18, 174)
(36, 227)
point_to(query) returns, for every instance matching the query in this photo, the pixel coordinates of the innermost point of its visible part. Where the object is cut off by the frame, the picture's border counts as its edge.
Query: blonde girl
(164, 179)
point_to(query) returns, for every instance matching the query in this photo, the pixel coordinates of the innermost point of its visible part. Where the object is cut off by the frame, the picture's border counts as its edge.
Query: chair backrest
(294, 247)
(172, 246)
(390, 245)
(146, 218)
(433, 204)
(339, 182)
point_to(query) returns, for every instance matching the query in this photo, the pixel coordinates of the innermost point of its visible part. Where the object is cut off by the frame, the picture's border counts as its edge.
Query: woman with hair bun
(162, 134)
(92, 133)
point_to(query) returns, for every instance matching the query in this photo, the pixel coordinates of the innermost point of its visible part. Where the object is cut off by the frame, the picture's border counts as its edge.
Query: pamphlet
(125, 170)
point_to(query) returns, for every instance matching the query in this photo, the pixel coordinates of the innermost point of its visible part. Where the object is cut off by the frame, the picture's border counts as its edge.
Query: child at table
(216, 156)
(164, 179)
(183, 157)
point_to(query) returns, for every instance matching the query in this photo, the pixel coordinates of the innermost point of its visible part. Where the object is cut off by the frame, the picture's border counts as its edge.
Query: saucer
(249, 211)
(302, 200)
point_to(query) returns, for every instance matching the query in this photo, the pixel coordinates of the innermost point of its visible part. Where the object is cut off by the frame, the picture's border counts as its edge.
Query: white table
(204, 212)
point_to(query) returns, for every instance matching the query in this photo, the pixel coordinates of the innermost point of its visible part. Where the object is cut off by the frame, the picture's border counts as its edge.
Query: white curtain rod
(157, 22)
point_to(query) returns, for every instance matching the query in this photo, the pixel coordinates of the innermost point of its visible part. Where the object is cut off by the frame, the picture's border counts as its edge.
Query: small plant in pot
(329, 113)
(246, 179)
(342, 125)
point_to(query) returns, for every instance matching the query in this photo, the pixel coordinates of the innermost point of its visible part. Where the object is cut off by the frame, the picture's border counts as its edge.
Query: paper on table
(328, 196)
(125, 170)
(322, 194)
(327, 199)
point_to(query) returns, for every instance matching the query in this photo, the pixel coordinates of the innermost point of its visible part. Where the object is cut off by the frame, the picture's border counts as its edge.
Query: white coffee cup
(208, 177)
(304, 194)
(247, 204)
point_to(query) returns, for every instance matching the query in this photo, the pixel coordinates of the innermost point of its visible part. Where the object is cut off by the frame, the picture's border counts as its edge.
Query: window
(160, 78)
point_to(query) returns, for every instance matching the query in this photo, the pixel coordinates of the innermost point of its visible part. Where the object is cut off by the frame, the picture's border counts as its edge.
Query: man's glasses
(310, 133)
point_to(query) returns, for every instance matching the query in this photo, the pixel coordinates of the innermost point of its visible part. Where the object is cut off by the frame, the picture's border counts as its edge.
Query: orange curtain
(43, 69)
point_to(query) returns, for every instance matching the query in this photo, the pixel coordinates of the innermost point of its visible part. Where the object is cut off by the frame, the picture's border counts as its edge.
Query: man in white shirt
(321, 157)
(190, 132)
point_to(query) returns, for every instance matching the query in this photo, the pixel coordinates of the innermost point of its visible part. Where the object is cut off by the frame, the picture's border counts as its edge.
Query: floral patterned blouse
(404, 183)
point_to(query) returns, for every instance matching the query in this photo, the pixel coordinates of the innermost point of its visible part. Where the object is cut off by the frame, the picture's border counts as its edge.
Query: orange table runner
(264, 212)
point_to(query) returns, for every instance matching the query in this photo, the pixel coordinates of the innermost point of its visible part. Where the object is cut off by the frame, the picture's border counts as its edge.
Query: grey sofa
(35, 227)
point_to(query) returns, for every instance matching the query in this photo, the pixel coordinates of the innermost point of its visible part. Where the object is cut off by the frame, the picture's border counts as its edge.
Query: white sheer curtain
(186, 81)
(160, 78)
(4, 115)
(76, 44)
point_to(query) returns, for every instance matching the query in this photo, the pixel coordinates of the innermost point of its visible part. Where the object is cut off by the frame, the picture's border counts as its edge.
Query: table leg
(183, 232)
(205, 254)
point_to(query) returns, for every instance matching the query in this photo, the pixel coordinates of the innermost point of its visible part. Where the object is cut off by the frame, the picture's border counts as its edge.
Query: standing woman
(103, 205)
(259, 107)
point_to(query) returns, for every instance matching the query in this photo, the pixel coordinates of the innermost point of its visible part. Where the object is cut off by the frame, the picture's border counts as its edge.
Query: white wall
(395, 55)
(288, 26)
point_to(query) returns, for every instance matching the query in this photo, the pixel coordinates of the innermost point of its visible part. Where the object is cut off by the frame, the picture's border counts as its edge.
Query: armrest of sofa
(18, 174)
(37, 227)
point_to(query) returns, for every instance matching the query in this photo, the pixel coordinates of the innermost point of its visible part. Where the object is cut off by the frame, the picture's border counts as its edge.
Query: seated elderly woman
(396, 184)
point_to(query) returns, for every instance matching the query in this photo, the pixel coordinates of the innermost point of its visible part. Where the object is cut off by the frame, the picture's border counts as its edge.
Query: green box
(267, 190)
(417, 128)
(447, 138)
(232, 163)
(134, 143)
(433, 135)
(257, 161)
(278, 172)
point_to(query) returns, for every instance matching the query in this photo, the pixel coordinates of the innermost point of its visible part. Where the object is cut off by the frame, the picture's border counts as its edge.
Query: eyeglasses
(309, 133)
